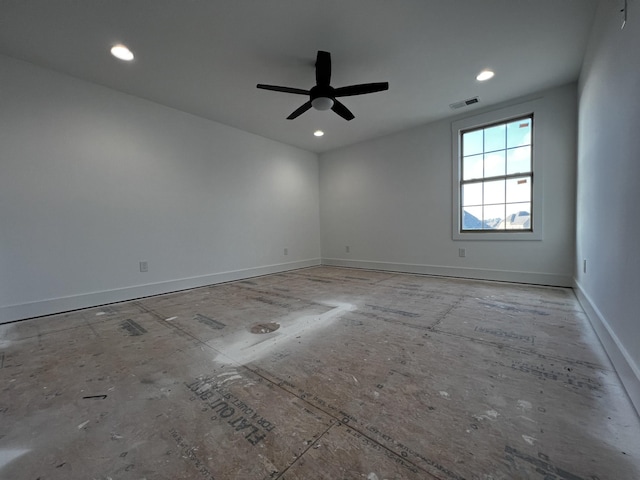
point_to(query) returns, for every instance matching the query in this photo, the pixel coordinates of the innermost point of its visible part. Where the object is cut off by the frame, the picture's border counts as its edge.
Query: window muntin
(496, 181)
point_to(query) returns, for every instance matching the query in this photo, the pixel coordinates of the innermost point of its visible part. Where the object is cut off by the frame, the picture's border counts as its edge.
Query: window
(497, 177)
(495, 194)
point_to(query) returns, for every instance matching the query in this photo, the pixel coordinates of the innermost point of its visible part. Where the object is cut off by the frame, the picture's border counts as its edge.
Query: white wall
(608, 195)
(93, 181)
(390, 201)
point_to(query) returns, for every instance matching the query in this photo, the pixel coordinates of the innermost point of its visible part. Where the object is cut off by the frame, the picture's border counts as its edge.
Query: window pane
(472, 218)
(518, 216)
(519, 133)
(494, 138)
(472, 143)
(493, 215)
(519, 190)
(519, 160)
(472, 167)
(494, 164)
(494, 192)
(472, 194)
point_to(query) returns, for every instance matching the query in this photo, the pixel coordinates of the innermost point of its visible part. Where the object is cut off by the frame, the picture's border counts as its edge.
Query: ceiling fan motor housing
(322, 97)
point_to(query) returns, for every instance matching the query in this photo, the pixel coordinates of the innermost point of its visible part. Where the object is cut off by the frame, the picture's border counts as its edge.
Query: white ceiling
(206, 56)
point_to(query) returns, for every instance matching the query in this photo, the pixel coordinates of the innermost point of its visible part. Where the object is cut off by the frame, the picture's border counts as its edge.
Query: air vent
(464, 103)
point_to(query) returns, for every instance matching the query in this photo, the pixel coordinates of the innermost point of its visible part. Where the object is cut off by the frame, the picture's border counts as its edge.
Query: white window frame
(478, 121)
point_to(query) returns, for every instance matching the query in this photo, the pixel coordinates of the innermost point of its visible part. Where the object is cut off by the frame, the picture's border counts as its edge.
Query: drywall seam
(627, 370)
(535, 278)
(51, 306)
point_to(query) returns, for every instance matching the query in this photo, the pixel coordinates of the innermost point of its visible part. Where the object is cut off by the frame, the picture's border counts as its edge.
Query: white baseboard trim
(624, 365)
(51, 306)
(459, 272)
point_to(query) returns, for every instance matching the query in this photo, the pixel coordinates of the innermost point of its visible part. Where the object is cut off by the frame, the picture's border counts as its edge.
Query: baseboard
(624, 365)
(12, 313)
(459, 272)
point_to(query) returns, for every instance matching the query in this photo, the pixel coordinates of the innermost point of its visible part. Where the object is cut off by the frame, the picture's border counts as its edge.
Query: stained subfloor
(320, 373)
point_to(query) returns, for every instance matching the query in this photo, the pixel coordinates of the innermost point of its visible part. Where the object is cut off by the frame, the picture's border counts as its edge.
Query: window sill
(498, 236)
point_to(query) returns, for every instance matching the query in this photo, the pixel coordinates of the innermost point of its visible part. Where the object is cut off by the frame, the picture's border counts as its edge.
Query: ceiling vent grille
(464, 103)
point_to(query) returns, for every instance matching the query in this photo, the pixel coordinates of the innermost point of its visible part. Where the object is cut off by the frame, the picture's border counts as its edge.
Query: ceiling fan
(323, 95)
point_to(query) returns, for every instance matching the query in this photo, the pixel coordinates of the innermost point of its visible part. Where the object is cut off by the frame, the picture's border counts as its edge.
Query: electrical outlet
(144, 267)
(286, 251)
(347, 249)
(462, 252)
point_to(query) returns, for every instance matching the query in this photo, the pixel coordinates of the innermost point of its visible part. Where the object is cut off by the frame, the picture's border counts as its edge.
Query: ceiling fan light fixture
(318, 133)
(122, 52)
(322, 103)
(485, 75)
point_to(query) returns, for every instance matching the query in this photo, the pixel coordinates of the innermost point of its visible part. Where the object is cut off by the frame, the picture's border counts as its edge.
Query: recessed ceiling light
(485, 75)
(318, 133)
(122, 52)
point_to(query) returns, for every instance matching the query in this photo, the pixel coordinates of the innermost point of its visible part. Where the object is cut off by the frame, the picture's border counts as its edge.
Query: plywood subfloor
(321, 373)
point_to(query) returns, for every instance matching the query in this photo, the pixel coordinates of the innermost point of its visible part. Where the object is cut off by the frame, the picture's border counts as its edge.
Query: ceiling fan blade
(361, 89)
(276, 88)
(323, 68)
(341, 110)
(299, 111)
